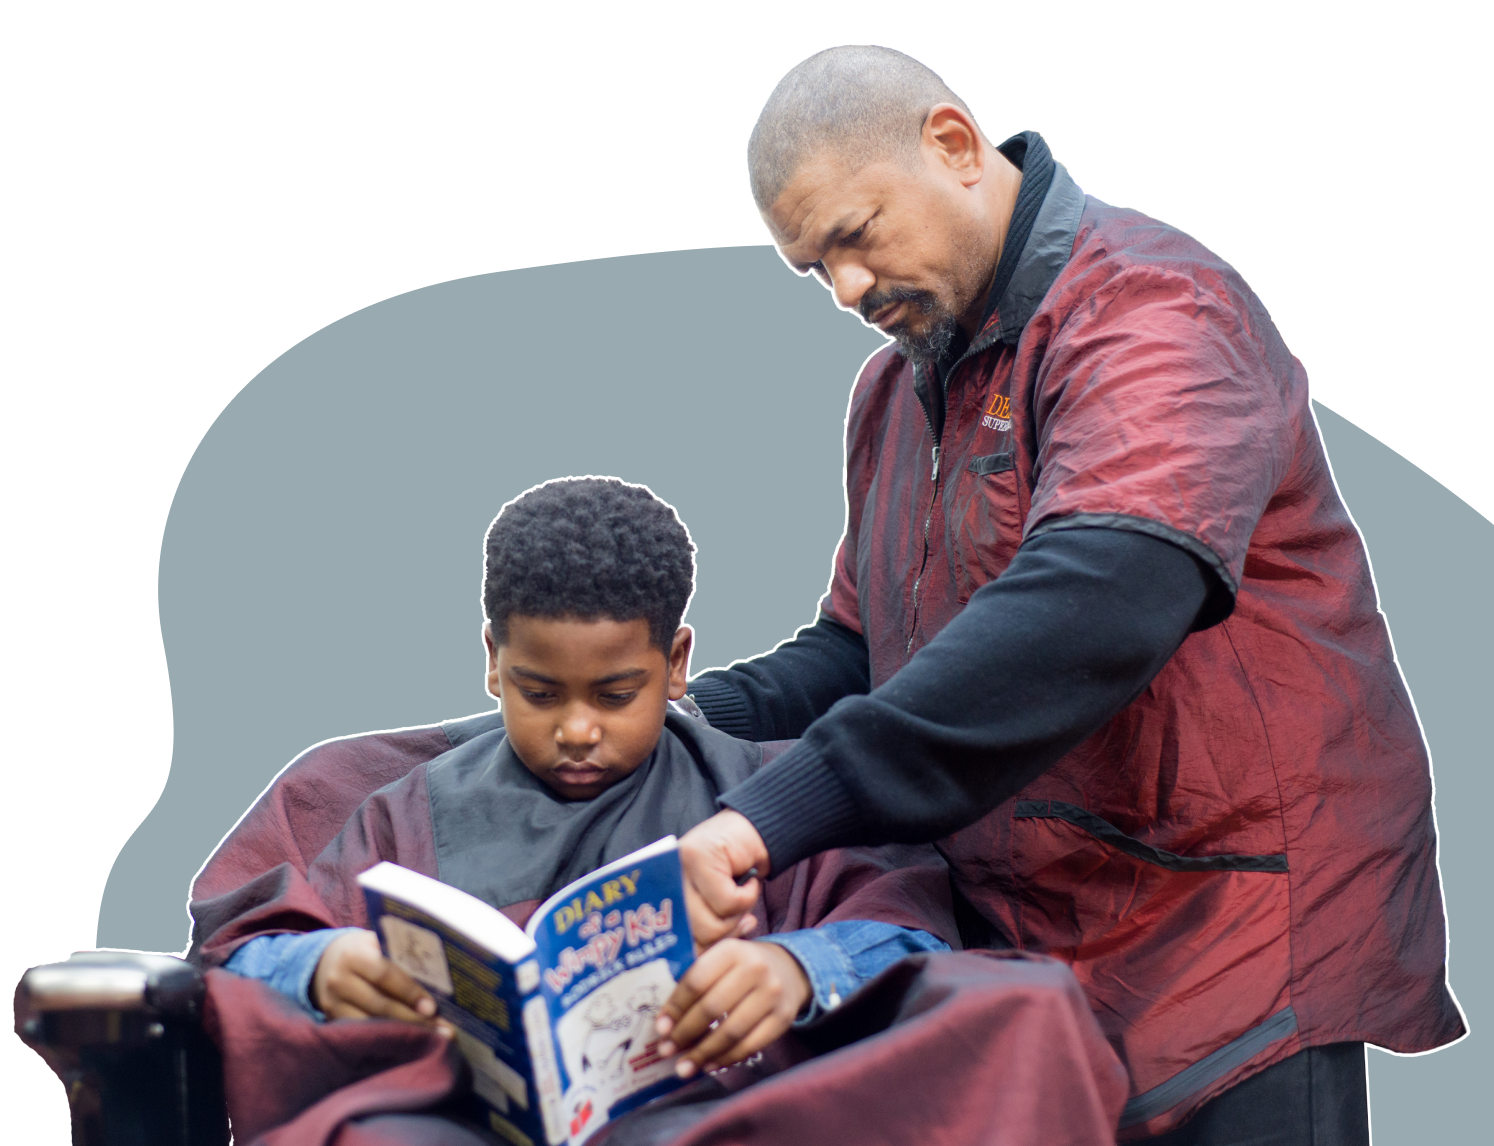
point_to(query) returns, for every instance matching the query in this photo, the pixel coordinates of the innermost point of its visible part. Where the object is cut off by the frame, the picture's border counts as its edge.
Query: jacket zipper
(928, 519)
(975, 347)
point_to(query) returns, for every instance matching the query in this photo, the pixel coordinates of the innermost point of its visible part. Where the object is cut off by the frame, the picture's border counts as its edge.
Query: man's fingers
(707, 924)
(714, 854)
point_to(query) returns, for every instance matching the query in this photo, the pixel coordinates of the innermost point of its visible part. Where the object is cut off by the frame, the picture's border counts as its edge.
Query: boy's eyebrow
(530, 674)
(611, 678)
(626, 674)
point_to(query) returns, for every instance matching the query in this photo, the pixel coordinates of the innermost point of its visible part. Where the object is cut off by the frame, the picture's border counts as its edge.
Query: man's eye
(855, 236)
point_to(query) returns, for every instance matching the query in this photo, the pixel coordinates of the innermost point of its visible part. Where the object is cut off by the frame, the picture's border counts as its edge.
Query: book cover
(556, 1020)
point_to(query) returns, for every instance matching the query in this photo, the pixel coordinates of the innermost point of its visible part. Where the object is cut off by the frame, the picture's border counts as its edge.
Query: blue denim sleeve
(839, 957)
(286, 962)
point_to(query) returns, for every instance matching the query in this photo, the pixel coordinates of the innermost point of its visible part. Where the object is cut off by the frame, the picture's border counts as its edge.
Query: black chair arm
(123, 1031)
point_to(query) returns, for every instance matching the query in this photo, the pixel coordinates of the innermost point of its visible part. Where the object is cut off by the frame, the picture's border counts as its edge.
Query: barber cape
(472, 816)
(476, 818)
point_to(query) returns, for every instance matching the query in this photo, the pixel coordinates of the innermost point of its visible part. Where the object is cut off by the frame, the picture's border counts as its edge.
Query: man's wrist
(797, 806)
(723, 707)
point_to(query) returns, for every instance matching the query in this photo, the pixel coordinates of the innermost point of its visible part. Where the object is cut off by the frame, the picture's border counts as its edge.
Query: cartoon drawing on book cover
(609, 1046)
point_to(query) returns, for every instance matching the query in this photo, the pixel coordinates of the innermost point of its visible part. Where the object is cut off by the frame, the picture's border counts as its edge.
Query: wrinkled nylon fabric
(292, 1080)
(1149, 390)
(898, 1063)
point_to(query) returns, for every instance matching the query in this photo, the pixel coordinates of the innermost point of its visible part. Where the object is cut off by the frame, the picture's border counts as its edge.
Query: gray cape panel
(505, 837)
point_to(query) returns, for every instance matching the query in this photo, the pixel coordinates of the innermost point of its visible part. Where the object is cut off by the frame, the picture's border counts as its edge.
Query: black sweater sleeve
(778, 695)
(1071, 633)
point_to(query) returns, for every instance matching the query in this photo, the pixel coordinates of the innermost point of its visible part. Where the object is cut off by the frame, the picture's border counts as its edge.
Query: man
(1099, 624)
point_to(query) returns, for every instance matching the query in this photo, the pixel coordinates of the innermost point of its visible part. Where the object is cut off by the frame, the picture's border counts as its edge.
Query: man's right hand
(353, 980)
(714, 854)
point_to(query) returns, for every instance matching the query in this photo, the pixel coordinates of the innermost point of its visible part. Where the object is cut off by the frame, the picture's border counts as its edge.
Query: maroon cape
(903, 1060)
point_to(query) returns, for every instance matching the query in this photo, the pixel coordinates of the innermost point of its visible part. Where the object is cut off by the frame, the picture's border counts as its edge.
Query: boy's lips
(580, 772)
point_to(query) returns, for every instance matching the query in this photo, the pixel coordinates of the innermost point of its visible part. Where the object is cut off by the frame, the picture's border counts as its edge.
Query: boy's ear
(490, 646)
(679, 662)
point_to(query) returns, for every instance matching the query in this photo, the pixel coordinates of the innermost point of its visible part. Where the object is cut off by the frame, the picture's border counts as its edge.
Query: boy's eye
(535, 697)
(617, 698)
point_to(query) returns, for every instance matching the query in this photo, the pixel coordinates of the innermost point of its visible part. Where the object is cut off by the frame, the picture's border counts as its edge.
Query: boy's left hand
(754, 989)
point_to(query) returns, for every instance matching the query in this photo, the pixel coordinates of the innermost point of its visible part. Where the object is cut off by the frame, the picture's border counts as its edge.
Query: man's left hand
(714, 854)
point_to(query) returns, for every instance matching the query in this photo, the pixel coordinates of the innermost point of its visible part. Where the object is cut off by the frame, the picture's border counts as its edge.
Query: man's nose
(849, 282)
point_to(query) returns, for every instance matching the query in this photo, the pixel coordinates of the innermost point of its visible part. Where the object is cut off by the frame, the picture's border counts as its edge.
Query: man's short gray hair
(862, 101)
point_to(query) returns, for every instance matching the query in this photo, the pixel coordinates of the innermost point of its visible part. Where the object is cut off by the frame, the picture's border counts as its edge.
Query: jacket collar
(1045, 253)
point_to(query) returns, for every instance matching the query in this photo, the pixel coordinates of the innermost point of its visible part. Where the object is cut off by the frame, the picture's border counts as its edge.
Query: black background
(180, 230)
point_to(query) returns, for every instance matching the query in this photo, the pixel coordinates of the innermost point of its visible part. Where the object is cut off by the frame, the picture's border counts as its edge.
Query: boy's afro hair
(590, 548)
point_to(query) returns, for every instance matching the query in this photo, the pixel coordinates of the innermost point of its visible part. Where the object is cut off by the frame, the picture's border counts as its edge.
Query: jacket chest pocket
(985, 521)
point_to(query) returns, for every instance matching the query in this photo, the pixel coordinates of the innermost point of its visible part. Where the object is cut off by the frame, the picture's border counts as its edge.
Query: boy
(586, 582)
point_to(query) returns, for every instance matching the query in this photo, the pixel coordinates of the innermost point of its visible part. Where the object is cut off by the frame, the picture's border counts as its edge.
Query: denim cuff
(286, 962)
(832, 977)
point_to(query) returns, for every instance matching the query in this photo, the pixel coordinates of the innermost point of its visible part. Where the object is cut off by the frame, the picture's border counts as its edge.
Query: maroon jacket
(1242, 862)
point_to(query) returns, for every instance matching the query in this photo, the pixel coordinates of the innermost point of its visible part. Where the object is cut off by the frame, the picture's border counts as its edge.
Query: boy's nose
(578, 730)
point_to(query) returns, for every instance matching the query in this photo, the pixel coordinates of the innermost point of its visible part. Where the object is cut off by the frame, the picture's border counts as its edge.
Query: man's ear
(953, 140)
(679, 662)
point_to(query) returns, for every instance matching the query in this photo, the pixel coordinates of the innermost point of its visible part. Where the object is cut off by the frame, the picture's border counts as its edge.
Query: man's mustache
(872, 302)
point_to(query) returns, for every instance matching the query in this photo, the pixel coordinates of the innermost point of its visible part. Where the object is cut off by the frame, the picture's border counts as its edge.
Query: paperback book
(555, 1019)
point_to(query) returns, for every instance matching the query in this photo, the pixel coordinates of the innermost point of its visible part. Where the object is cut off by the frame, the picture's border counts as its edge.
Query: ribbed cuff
(798, 806)
(723, 706)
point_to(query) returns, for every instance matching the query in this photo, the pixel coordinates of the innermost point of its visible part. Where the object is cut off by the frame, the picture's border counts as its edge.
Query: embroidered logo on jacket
(999, 416)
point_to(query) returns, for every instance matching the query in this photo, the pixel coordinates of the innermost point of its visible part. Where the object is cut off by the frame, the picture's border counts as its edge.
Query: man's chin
(930, 345)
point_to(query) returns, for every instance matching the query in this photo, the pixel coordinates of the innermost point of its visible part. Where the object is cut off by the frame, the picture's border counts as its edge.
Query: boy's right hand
(353, 980)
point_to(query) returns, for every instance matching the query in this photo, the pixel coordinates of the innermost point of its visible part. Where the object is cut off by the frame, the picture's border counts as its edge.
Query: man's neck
(1001, 186)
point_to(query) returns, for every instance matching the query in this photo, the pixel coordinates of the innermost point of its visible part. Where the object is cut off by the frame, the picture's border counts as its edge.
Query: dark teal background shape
(321, 564)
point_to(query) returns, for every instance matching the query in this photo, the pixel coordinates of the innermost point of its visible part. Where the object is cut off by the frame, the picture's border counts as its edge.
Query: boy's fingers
(716, 1004)
(361, 975)
(398, 985)
(368, 998)
(693, 983)
(769, 1030)
(719, 1046)
(339, 1009)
